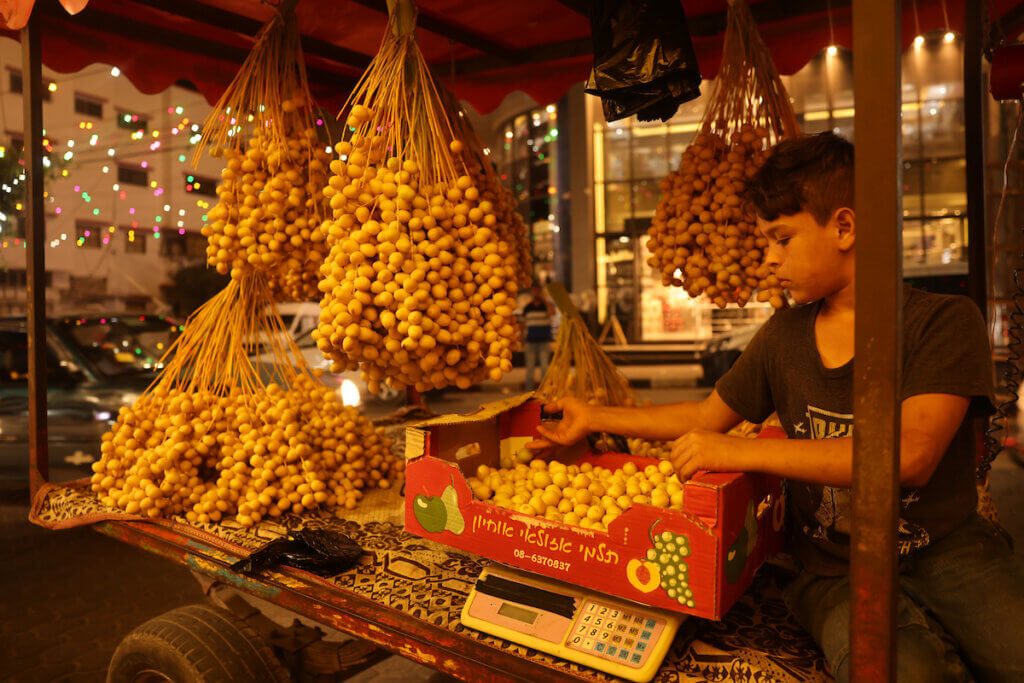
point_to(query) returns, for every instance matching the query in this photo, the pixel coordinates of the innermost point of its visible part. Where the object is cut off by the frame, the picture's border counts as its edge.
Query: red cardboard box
(731, 523)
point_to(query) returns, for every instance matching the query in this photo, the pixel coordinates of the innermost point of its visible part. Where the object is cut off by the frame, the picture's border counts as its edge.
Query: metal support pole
(35, 237)
(974, 134)
(878, 340)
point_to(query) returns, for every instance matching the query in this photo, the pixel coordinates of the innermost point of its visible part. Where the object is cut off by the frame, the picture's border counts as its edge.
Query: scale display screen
(518, 613)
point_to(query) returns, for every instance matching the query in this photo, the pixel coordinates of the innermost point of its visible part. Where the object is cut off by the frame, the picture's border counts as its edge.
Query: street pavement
(69, 597)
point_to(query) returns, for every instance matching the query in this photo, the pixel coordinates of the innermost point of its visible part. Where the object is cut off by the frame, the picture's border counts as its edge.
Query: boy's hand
(571, 428)
(702, 450)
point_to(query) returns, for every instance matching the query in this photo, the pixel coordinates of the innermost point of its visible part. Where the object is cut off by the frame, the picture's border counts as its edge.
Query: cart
(406, 597)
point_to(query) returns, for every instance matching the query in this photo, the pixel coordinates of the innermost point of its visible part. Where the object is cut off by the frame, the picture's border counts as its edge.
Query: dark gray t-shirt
(945, 351)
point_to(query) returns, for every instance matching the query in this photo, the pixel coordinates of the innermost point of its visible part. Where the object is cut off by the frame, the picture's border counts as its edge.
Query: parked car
(95, 365)
(300, 319)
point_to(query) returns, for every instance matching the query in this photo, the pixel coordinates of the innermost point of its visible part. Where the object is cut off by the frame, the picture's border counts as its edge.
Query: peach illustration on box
(643, 575)
(439, 513)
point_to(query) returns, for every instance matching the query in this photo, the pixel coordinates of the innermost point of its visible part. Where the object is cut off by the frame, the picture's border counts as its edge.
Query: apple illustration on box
(439, 513)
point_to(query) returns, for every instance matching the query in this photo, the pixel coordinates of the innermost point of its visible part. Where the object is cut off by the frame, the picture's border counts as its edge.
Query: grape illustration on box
(664, 566)
(439, 513)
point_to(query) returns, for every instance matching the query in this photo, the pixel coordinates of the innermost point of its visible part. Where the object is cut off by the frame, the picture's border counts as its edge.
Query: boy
(961, 604)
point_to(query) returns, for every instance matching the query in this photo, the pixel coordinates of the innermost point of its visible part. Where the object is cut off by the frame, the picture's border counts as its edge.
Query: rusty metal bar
(878, 340)
(974, 141)
(436, 646)
(35, 238)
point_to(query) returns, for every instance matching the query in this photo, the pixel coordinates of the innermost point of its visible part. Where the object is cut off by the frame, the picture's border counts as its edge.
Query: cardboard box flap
(484, 412)
(415, 441)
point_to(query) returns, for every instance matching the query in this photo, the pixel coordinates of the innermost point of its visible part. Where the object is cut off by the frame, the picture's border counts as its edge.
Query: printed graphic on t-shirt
(834, 505)
(828, 425)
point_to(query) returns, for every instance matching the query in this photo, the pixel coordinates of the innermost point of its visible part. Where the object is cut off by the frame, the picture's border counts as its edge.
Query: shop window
(911, 131)
(617, 206)
(617, 164)
(525, 160)
(945, 185)
(650, 152)
(132, 175)
(132, 121)
(617, 284)
(88, 106)
(942, 127)
(134, 241)
(934, 245)
(201, 185)
(646, 195)
(89, 235)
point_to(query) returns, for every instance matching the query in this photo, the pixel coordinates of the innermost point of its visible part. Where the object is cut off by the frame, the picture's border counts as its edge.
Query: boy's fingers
(538, 445)
(553, 407)
(548, 434)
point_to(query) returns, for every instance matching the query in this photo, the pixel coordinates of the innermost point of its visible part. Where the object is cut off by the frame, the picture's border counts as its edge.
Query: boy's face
(810, 260)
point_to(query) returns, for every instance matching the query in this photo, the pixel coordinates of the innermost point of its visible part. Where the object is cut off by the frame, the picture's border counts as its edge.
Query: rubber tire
(196, 644)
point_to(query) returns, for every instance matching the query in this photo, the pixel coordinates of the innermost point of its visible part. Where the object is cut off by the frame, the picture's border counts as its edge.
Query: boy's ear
(845, 222)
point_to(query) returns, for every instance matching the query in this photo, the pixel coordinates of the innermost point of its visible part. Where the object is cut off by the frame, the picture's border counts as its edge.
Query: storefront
(631, 158)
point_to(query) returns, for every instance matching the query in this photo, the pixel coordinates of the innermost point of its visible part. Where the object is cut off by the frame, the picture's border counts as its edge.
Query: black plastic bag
(324, 553)
(644, 62)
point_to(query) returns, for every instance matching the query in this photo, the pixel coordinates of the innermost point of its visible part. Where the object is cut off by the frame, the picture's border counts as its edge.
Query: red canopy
(541, 47)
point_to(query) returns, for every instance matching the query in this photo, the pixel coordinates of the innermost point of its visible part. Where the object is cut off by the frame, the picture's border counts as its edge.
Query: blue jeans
(960, 614)
(537, 353)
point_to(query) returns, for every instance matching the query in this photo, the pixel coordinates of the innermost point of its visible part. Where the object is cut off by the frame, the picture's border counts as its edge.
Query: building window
(131, 175)
(16, 84)
(200, 185)
(191, 245)
(13, 278)
(86, 287)
(89, 235)
(88, 106)
(17, 145)
(131, 121)
(13, 227)
(134, 241)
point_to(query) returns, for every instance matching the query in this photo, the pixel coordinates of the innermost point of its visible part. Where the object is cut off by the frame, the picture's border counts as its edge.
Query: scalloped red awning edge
(68, 48)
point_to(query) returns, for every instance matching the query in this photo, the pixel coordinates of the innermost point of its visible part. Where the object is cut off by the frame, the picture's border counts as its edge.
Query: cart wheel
(194, 644)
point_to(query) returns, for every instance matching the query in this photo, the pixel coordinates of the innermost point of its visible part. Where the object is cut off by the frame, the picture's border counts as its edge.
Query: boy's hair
(812, 173)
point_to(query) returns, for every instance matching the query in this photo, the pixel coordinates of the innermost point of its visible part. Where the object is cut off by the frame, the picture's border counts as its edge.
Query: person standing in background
(537, 315)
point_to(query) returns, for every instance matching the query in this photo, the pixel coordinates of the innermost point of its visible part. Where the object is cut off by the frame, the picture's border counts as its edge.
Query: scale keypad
(614, 634)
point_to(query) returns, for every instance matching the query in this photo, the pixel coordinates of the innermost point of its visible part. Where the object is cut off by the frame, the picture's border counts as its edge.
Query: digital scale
(621, 638)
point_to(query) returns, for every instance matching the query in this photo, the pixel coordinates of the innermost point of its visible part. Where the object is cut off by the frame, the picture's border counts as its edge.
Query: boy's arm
(929, 423)
(654, 423)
